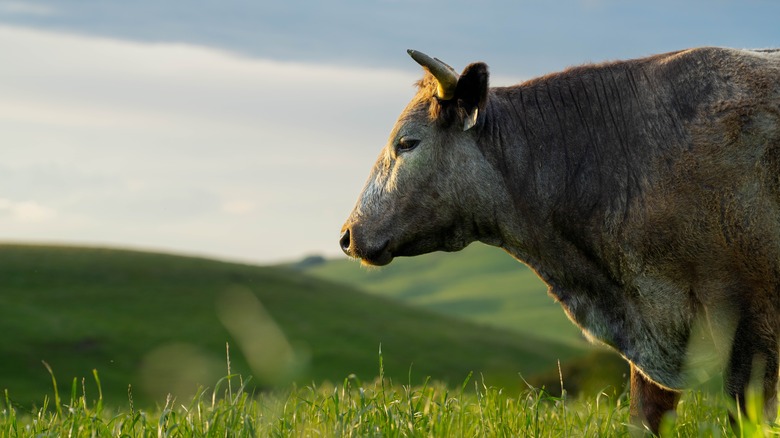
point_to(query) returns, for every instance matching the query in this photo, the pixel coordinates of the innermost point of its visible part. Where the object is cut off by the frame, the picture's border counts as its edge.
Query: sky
(244, 130)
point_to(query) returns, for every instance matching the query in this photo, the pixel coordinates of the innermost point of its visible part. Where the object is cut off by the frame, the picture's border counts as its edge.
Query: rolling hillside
(480, 283)
(160, 323)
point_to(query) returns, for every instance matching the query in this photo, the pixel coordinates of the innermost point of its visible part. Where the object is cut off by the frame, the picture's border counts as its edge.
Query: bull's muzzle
(377, 254)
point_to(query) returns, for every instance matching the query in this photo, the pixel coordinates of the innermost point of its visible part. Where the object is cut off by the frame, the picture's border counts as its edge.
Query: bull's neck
(563, 153)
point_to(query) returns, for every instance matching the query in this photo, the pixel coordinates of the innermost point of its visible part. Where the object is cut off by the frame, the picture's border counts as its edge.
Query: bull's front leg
(754, 356)
(649, 402)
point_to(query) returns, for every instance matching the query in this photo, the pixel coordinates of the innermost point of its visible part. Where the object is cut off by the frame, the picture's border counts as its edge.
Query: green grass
(352, 408)
(101, 342)
(480, 283)
(160, 323)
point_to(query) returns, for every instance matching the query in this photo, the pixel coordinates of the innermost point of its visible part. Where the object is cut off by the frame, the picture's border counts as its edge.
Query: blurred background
(243, 131)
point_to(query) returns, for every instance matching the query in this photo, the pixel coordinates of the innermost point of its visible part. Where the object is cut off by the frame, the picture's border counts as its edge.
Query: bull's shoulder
(705, 60)
(710, 54)
(716, 63)
(654, 68)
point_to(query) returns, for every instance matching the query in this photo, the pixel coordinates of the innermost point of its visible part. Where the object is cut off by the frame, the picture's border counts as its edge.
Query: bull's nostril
(345, 242)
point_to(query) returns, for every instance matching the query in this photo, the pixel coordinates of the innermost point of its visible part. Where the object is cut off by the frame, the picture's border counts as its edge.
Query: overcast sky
(245, 130)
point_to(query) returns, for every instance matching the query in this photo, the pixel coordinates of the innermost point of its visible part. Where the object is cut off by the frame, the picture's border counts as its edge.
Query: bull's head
(430, 188)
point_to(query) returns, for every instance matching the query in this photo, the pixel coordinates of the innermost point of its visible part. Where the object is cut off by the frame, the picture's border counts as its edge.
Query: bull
(645, 193)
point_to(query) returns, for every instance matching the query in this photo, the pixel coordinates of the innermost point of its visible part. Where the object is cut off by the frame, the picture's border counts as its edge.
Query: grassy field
(136, 343)
(480, 283)
(357, 409)
(160, 323)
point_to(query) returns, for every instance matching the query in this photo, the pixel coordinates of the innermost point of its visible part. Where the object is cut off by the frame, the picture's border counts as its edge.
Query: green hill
(161, 322)
(480, 283)
(485, 285)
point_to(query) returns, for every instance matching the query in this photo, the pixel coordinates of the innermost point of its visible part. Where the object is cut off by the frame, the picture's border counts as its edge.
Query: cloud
(184, 147)
(25, 8)
(238, 206)
(26, 211)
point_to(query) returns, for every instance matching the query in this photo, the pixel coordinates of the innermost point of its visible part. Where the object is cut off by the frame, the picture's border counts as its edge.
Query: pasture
(160, 323)
(100, 342)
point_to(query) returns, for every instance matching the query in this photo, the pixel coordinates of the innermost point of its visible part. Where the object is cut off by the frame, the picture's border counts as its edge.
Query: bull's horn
(445, 75)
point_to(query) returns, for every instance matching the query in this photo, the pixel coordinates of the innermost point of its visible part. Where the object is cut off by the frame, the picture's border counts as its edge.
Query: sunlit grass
(361, 409)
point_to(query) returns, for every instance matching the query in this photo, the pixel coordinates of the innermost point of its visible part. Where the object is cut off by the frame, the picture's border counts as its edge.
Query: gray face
(425, 191)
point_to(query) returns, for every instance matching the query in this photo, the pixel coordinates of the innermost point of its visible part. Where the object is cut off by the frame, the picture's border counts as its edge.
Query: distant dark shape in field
(645, 193)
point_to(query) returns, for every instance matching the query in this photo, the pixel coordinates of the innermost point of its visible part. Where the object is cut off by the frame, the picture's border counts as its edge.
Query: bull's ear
(471, 93)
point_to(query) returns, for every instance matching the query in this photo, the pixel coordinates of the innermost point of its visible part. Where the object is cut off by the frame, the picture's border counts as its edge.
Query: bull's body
(645, 193)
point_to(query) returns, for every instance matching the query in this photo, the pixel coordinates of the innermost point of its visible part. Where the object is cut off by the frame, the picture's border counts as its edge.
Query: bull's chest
(648, 322)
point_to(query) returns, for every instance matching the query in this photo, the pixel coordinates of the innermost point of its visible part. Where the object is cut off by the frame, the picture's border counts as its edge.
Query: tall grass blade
(57, 401)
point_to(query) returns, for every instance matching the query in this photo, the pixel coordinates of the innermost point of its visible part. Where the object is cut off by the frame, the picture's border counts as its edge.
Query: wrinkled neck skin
(566, 206)
(541, 209)
(517, 213)
(545, 213)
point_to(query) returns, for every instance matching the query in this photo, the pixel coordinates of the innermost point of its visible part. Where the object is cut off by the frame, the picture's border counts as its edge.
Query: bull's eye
(406, 145)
